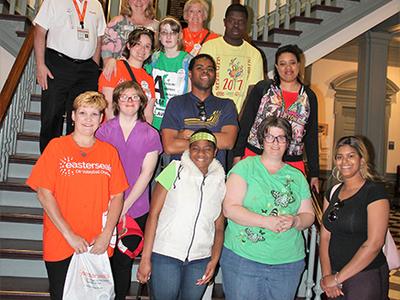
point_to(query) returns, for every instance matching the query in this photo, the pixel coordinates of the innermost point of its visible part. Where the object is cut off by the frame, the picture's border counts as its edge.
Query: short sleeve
(167, 176)
(230, 114)
(154, 142)
(171, 119)
(44, 16)
(242, 168)
(376, 191)
(118, 182)
(257, 72)
(44, 172)
(304, 188)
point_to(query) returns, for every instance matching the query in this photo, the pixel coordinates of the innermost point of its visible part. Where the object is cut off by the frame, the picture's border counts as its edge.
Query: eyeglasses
(269, 138)
(170, 33)
(202, 111)
(332, 216)
(126, 98)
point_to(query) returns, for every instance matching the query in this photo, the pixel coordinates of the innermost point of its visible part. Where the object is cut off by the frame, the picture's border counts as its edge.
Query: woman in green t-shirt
(267, 205)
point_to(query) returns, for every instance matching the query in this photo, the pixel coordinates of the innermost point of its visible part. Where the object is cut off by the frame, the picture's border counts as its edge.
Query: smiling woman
(184, 231)
(79, 181)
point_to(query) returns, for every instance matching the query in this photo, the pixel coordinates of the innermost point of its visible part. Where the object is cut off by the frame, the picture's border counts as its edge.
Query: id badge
(83, 34)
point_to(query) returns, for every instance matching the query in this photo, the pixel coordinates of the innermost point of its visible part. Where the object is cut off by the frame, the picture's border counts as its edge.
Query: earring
(336, 174)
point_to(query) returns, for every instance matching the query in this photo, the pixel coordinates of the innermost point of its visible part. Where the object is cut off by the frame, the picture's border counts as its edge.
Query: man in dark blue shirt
(199, 109)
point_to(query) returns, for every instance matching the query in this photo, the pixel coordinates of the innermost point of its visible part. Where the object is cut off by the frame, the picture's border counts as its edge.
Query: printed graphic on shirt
(282, 200)
(69, 167)
(146, 89)
(297, 114)
(232, 85)
(210, 122)
(167, 85)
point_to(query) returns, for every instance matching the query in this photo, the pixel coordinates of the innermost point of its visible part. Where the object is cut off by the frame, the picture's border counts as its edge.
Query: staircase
(317, 28)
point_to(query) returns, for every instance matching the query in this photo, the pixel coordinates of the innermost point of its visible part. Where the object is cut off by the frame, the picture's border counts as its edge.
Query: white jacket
(186, 225)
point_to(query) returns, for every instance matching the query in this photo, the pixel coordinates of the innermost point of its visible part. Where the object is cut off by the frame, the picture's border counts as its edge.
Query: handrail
(16, 72)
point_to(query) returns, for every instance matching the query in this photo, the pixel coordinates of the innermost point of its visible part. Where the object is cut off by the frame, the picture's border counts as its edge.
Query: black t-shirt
(350, 230)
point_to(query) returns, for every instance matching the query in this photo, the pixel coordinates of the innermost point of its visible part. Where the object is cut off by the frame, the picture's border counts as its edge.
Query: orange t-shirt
(145, 80)
(193, 41)
(82, 185)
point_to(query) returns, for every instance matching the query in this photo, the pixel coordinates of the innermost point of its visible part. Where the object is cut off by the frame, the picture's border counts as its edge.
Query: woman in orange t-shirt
(138, 49)
(195, 13)
(79, 182)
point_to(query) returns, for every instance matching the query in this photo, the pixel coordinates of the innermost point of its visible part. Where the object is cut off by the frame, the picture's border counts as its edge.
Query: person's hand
(208, 274)
(314, 183)
(101, 243)
(110, 68)
(144, 270)
(330, 286)
(78, 243)
(236, 159)
(274, 223)
(185, 134)
(42, 72)
(287, 222)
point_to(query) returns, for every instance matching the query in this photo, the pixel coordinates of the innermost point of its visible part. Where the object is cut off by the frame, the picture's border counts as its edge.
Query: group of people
(186, 113)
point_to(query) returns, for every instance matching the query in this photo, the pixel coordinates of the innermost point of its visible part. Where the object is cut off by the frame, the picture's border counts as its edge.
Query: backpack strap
(334, 188)
(128, 67)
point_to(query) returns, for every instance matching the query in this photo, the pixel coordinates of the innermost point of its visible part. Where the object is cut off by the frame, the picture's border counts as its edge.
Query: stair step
(17, 214)
(21, 34)
(28, 136)
(21, 249)
(325, 11)
(36, 97)
(17, 288)
(283, 36)
(32, 115)
(23, 158)
(304, 24)
(267, 44)
(15, 184)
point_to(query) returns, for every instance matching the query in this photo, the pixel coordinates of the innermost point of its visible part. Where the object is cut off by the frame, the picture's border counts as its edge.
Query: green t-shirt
(167, 176)
(268, 194)
(171, 77)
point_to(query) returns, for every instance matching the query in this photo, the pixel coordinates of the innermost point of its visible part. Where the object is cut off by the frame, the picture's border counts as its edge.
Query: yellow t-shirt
(238, 67)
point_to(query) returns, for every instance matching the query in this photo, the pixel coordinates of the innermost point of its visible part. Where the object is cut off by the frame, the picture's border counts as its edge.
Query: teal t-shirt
(171, 76)
(268, 194)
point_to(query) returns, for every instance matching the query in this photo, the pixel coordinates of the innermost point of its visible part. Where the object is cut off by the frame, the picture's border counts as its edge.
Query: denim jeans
(246, 279)
(173, 279)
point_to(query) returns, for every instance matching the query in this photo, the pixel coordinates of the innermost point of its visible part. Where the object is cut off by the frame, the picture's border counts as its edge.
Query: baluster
(328, 2)
(318, 2)
(317, 288)
(255, 20)
(277, 16)
(301, 293)
(23, 7)
(266, 19)
(297, 8)
(311, 262)
(307, 7)
(11, 10)
(287, 15)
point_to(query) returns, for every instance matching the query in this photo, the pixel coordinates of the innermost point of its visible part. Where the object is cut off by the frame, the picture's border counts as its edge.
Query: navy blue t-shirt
(183, 113)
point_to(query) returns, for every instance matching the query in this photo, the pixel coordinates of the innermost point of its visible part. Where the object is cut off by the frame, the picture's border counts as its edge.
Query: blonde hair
(91, 98)
(203, 3)
(175, 27)
(366, 169)
(126, 10)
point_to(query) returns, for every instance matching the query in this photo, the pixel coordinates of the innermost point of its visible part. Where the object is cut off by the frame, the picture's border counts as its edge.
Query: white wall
(324, 71)
(6, 62)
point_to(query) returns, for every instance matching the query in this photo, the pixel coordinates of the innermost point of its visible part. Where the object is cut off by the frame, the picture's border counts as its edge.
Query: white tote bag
(89, 277)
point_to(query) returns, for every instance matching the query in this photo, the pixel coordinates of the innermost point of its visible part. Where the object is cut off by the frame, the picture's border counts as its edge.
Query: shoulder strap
(204, 39)
(334, 188)
(128, 67)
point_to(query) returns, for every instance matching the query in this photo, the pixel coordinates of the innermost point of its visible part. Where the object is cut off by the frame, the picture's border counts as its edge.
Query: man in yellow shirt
(239, 64)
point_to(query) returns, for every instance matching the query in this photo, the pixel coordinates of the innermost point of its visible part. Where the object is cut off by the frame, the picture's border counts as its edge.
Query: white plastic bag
(89, 277)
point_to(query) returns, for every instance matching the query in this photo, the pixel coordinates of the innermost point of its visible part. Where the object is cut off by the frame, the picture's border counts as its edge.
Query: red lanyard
(78, 11)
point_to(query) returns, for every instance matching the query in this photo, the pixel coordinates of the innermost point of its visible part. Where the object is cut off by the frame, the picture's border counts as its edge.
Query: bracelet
(336, 279)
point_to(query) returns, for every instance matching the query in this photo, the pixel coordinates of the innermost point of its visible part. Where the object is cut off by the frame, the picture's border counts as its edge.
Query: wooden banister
(16, 72)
